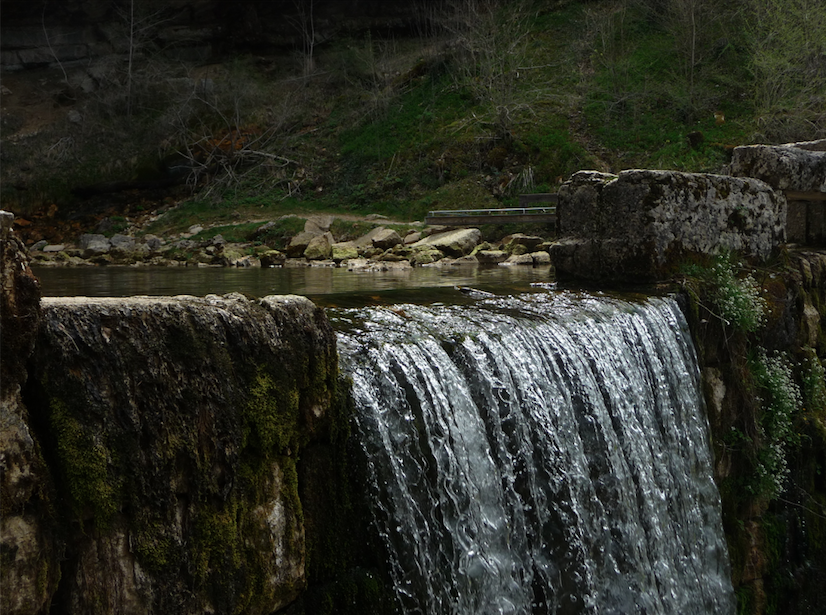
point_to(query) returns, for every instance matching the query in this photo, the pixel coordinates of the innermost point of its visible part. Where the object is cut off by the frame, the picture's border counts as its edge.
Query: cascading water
(538, 454)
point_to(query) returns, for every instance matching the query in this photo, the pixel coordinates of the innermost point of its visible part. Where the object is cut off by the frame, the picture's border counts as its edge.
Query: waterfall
(546, 453)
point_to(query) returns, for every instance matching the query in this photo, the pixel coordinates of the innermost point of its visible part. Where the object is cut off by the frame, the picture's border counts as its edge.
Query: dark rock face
(78, 31)
(173, 427)
(635, 226)
(28, 547)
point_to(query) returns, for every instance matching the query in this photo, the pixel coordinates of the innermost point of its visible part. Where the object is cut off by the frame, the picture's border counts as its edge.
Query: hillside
(469, 104)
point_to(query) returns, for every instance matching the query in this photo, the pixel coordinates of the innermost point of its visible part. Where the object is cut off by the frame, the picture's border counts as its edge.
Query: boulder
(540, 258)
(385, 239)
(529, 242)
(93, 244)
(153, 242)
(345, 250)
(518, 259)
(122, 243)
(319, 248)
(491, 257)
(318, 224)
(784, 167)
(426, 255)
(640, 225)
(366, 240)
(272, 258)
(299, 244)
(412, 237)
(177, 426)
(453, 243)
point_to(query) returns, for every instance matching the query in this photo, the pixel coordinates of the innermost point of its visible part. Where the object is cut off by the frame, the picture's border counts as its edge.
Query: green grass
(400, 126)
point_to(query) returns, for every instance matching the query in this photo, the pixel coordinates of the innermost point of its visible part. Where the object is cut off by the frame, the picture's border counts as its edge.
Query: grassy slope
(399, 127)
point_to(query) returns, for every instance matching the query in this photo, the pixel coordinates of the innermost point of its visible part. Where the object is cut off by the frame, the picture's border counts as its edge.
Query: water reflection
(325, 286)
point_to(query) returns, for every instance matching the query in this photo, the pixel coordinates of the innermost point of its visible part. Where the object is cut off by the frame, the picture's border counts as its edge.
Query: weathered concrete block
(799, 170)
(638, 225)
(784, 167)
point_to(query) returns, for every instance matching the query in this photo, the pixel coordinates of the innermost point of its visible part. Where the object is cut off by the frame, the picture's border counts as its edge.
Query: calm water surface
(325, 286)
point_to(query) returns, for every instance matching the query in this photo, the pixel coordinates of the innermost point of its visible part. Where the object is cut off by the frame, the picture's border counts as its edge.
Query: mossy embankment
(761, 336)
(198, 448)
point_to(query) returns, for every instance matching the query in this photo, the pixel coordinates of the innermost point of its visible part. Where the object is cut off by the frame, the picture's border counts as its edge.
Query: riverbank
(376, 244)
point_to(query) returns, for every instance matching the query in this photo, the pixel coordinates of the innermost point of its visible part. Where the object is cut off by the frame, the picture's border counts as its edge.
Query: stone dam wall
(168, 455)
(641, 225)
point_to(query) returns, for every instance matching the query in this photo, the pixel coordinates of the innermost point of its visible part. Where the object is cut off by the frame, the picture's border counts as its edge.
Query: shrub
(780, 401)
(736, 298)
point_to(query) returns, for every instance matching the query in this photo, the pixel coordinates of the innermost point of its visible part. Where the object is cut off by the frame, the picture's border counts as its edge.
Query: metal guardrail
(469, 217)
(509, 211)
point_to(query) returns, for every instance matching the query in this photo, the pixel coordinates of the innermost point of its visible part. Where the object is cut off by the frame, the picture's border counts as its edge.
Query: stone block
(640, 224)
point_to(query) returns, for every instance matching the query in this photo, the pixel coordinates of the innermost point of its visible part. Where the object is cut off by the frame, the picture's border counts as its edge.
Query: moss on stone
(84, 463)
(271, 416)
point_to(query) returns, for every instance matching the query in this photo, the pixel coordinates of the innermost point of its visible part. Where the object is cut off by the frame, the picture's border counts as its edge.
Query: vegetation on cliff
(762, 341)
(484, 101)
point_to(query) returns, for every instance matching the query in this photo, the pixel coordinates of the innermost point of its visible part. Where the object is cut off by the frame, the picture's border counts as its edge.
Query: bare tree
(493, 39)
(304, 22)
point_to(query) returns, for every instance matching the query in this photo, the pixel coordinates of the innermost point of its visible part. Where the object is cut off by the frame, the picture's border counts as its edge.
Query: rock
(366, 240)
(453, 243)
(518, 259)
(343, 251)
(783, 167)
(122, 243)
(491, 257)
(247, 261)
(184, 244)
(376, 217)
(385, 239)
(39, 245)
(263, 228)
(529, 242)
(639, 225)
(272, 258)
(412, 237)
(54, 248)
(218, 240)
(296, 262)
(390, 257)
(426, 255)
(318, 224)
(152, 242)
(194, 229)
(299, 244)
(319, 248)
(93, 245)
(30, 550)
(540, 258)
